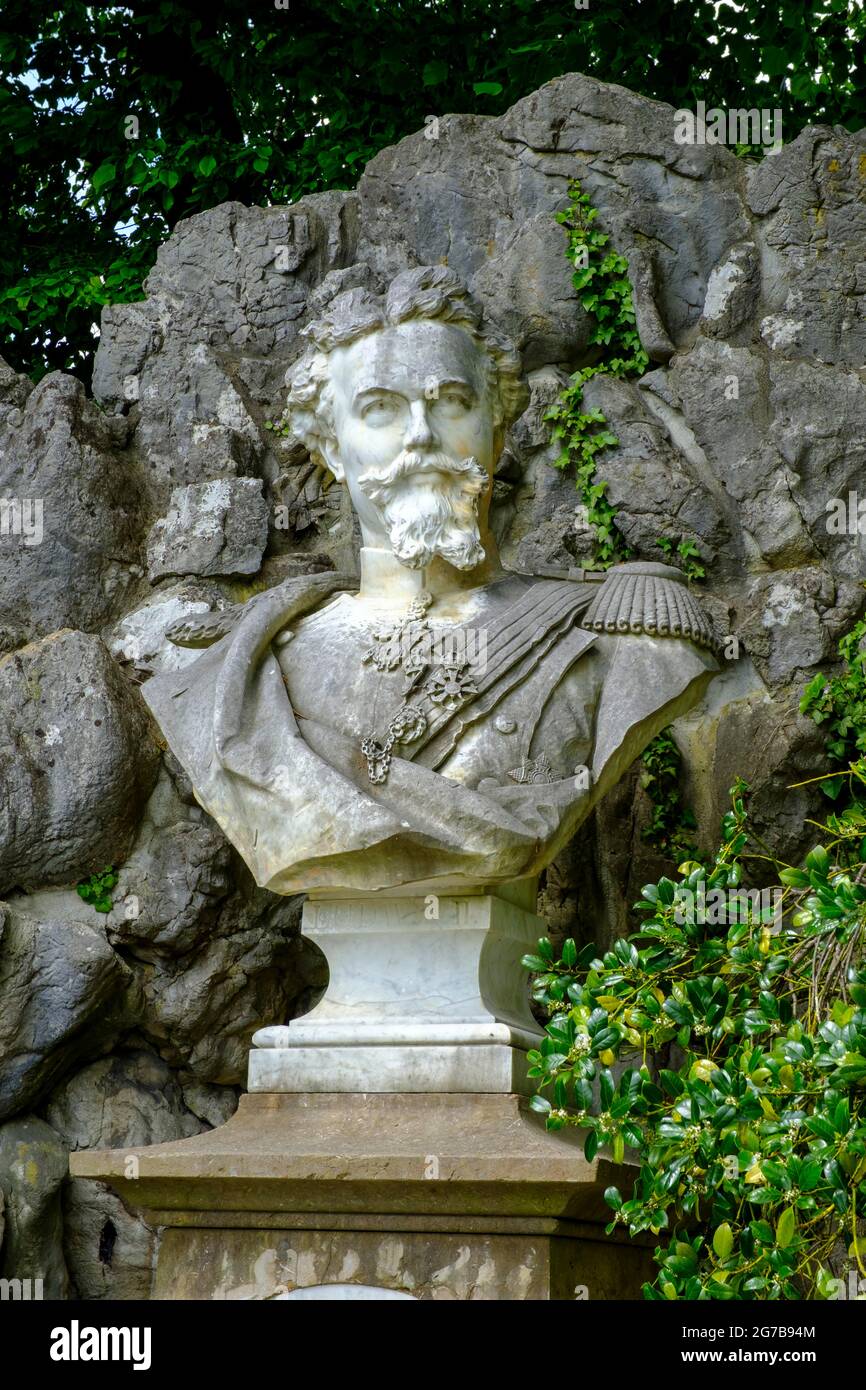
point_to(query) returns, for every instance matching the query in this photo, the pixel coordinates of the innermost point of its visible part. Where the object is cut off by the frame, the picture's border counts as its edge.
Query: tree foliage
(260, 103)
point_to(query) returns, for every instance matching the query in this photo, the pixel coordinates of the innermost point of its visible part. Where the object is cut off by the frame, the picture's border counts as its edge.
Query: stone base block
(415, 1002)
(449, 1196)
(512, 1260)
(483, 1067)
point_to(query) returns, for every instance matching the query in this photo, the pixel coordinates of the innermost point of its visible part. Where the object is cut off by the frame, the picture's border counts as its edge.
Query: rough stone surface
(131, 1098)
(218, 527)
(62, 995)
(110, 1253)
(33, 1166)
(748, 287)
(58, 450)
(76, 759)
(128, 1099)
(139, 638)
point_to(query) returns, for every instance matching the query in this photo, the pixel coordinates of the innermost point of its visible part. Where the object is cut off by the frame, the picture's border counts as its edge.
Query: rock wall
(166, 494)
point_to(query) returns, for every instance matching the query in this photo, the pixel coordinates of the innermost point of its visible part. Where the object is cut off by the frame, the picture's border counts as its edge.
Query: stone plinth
(426, 993)
(449, 1196)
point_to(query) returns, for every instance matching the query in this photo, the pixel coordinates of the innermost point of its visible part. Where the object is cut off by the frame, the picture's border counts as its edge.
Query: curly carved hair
(429, 292)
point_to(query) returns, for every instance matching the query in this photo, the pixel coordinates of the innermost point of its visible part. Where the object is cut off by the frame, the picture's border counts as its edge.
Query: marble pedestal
(426, 993)
(436, 1196)
(384, 1144)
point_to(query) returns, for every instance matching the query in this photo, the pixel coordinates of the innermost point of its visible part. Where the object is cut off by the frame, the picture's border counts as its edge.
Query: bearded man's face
(416, 440)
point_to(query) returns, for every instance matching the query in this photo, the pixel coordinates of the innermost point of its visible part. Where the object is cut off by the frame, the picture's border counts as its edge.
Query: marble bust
(439, 722)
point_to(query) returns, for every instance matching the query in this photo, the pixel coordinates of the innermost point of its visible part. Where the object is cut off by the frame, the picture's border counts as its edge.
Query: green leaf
(207, 166)
(819, 860)
(786, 1227)
(723, 1240)
(794, 878)
(487, 89)
(102, 176)
(435, 72)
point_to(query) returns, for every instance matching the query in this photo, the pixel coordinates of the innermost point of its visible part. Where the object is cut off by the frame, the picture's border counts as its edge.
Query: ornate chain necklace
(408, 643)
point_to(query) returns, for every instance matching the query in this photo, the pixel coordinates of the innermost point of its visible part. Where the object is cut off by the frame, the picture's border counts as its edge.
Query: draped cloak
(293, 794)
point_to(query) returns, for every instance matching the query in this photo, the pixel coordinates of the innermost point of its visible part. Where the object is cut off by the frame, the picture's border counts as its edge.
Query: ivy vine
(672, 823)
(839, 703)
(601, 281)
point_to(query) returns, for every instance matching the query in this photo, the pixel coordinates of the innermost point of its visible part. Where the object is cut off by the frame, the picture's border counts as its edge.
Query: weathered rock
(205, 355)
(128, 1099)
(171, 888)
(214, 956)
(732, 291)
(678, 204)
(33, 1165)
(200, 1010)
(62, 997)
(72, 550)
(212, 1104)
(123, 1100)
(139, 638)
(784, 627)
(110, 1253)
(218, 527)
(808, 204)
(77, 758)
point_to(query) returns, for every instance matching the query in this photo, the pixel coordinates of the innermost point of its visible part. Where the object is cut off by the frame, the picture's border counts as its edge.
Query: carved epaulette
(641, 597)
(203, 630)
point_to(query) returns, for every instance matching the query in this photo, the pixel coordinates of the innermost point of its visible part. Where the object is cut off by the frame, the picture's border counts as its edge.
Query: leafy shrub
(748, 1130)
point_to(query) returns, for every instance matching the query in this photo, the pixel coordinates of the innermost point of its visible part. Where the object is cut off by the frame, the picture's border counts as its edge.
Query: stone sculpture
(448, 724)
(440, 731)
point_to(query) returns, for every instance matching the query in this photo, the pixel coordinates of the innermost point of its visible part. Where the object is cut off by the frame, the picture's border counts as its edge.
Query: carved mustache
(377, 483)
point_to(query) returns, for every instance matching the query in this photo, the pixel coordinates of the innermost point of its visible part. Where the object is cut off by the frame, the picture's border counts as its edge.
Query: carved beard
(433, 515)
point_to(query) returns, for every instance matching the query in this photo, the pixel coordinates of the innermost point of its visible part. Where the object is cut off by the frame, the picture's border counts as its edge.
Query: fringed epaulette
(641, 597)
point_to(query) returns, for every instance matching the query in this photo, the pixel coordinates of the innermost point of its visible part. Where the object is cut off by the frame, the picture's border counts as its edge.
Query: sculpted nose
(419, 434)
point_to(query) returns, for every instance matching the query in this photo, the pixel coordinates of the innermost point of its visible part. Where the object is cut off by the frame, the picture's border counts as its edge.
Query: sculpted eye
(452, 401)
(380, 410)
